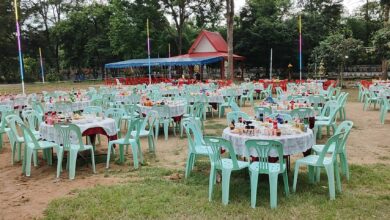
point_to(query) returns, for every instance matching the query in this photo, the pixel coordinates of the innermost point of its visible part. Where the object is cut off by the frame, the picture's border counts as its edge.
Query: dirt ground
(27, 197)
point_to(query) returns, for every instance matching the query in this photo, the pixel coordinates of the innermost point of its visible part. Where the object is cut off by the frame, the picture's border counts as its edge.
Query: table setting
(296, 137)
(89, 124)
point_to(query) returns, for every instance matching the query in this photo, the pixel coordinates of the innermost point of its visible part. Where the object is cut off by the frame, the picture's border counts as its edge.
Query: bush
(53, 77)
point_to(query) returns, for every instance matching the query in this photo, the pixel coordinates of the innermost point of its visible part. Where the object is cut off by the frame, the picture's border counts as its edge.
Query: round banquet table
(175, 110)
(87, 127)
(76, 106)
(283, 109)
(292, 144)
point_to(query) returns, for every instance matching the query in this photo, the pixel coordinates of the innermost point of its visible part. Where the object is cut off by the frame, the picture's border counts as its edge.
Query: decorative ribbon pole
(42, 70)
(270, 66)
(147, 33)
(21, 64)
(300, 47)
(169, 55)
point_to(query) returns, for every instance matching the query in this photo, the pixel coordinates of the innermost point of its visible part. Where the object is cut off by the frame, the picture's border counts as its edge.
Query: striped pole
(21, 64)
(300, 47)
(169, 55)
(147, 33)
(42, 70)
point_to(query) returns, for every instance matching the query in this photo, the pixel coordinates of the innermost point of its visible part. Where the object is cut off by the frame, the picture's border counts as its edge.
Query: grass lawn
(48, 86)
(151, 195)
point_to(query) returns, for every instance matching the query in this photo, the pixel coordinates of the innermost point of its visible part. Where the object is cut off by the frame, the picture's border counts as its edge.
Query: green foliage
(127, 29)
(77, 34)
(337, 50)
(53, 76)
(31, 69)
(381, 40)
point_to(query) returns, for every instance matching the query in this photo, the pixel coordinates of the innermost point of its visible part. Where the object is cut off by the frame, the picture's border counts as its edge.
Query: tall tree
(338, 50)
(230, 23)
(384, 33)
(182, 10)
(8, 49)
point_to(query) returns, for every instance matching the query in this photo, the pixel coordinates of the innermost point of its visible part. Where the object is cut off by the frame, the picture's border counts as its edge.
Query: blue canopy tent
(173, 61)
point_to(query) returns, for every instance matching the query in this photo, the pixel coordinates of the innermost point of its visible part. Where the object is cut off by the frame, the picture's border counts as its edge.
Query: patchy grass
(152, 196)
(215, 126)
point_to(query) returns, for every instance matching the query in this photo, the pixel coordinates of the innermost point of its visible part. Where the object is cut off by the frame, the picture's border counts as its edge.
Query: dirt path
(26, 198)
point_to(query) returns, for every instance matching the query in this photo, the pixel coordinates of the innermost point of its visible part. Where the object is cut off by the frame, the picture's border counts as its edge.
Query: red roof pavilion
(209, 44)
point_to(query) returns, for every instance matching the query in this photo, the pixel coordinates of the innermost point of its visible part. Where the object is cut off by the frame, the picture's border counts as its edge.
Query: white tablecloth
(292, 144)
(216, 99)
(76, 106)
(48, 132)
(175, 110)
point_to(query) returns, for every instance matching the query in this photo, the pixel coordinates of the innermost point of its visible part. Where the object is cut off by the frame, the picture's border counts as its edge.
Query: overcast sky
(349, 4)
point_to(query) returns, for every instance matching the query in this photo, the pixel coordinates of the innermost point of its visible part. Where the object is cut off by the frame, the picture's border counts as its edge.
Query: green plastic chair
(164, 119)
(262, 110)
(97, 102)
(263, 148)
(149, 120)
(279, 92)
(302, 113)
(229, 97)
(336, 93)
(93, 110)
(196, 144)
(117, 114)
(226, 165)
(16, 139)
(345, 127)
(107, 100)
(66, 132)
(316, 102)
(370, 98)
(38, 107)
(361, 91)
(63, 107)
(385, 107)
(285, 117)
(207, 107)
(32, 118)
(267, 92)
(33, 145)
(247, 97)
(327, 117)
(322, 160)
(196, 113)
(4, 111)
(342, 100)
(235, 116)
(134, 125)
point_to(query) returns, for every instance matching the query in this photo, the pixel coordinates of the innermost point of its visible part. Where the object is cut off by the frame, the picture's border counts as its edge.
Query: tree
(386, 11)
(338, 50)
(229, 22)
(8, 48)
(127, 29)
(182, 10)
(381, 40)
(83, 37)
(45, 14)
(263, 25)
